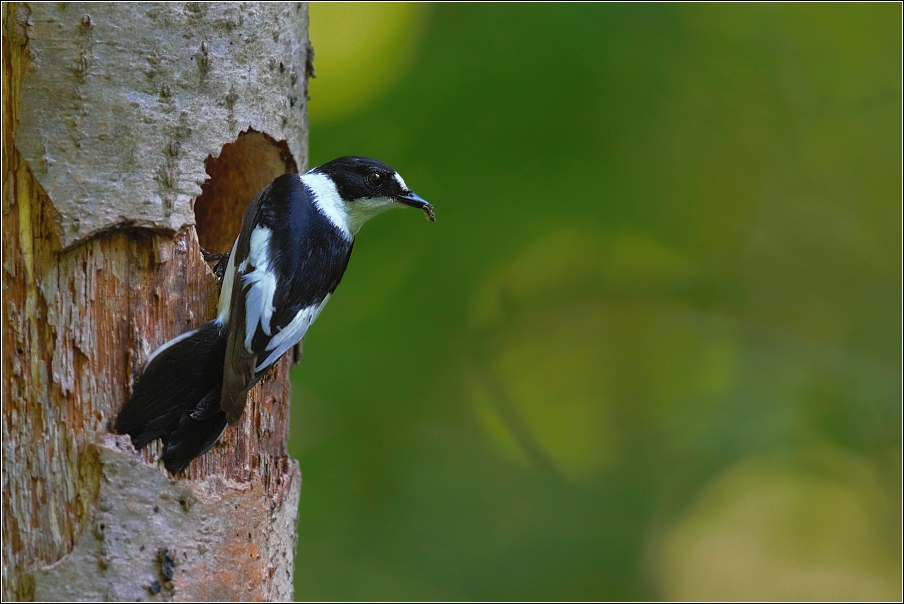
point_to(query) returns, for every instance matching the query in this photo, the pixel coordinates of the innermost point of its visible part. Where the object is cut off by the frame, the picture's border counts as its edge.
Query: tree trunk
(132, 132)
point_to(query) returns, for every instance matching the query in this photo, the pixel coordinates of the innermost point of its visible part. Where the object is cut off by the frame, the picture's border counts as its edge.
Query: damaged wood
(87, 295)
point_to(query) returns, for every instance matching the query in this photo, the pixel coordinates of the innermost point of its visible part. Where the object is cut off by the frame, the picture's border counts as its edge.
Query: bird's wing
(238, 367)
(287, 261)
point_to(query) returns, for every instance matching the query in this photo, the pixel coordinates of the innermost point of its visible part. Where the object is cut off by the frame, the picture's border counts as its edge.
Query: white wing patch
(261, 284)
(328, 201)
(291, 334)
(172, 342)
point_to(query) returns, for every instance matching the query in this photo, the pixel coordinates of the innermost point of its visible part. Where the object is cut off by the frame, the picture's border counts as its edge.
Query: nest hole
(236, 175)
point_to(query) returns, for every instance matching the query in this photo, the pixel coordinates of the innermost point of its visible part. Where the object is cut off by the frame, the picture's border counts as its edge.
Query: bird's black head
(366, 182)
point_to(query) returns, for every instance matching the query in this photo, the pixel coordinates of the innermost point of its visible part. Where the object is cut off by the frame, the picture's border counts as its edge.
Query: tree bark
(130, 133)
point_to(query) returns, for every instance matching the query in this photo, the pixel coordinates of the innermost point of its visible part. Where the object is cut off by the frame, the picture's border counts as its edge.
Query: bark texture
(120, 101)
(114, 116)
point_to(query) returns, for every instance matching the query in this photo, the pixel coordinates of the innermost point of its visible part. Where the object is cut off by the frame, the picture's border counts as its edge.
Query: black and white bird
(296, 239)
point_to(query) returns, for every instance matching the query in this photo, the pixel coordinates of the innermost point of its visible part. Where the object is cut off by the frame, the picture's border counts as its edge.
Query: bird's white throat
(348, 217)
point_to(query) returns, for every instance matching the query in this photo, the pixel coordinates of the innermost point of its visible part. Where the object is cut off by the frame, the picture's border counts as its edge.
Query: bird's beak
(416, 201)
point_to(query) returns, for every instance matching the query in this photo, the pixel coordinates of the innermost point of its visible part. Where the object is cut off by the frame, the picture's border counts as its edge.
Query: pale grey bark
(126, 100)
(147, 530)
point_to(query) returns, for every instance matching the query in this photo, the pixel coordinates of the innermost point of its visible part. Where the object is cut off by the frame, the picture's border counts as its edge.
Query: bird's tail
(177, 398)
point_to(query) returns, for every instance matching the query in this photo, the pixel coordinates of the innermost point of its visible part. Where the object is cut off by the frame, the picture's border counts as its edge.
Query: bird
(295, 242)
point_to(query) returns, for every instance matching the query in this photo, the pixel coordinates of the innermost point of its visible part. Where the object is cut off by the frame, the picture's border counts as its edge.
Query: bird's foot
(220, 260)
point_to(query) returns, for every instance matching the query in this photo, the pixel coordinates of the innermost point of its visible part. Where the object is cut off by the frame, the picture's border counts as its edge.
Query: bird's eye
(374, 179)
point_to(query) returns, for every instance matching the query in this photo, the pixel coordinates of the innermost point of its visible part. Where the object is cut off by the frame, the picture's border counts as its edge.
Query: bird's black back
(309, 255)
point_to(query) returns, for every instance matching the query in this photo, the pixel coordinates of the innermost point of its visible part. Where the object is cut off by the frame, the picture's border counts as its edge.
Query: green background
(651, 347)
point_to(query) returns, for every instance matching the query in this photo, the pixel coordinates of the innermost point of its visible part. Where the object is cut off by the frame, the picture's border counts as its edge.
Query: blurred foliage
(363, 49)
(652, 346)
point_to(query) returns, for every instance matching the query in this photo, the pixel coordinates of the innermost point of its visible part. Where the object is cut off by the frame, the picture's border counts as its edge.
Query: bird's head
(352, 190)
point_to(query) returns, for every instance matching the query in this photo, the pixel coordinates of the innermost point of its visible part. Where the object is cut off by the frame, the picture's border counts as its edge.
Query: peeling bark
(110, 112)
